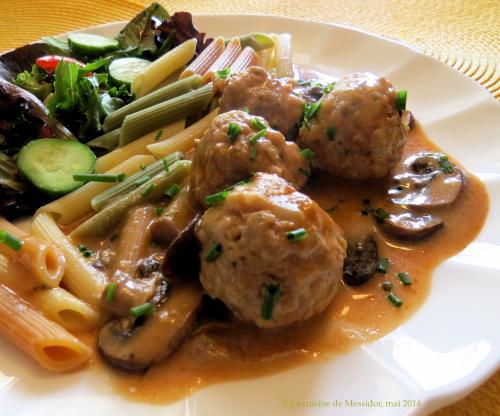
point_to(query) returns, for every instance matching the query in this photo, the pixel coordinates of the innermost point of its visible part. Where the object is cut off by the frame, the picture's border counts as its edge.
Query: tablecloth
(464, 34)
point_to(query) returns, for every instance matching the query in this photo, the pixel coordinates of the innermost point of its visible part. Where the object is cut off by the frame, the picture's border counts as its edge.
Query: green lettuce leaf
(33, 82)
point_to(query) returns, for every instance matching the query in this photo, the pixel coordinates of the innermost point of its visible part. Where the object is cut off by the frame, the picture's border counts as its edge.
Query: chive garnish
(165, 164)
(173, 190)
(10, 241)
(142, 166)
(148, 189)
(405, 278)
(297, 235)
(387, 286)
(110, 292)
(246, 110)
(114, 237)
(380, 214)
(310, 111)
(366, 201)
(259, 125)
(271, 297)
(307, 154)
(257, 136)
(81, 248)
(366, 210)
(142, 310)
(233, 131)
(382, 265)
(328, 88)
(87, 253)
(216, 198)
(394, 299)
(158, 135)
(142, 180)
(330, 133)
(401, 100)
(98, 177)
(214, 252)
(159, 211)
(253, 153)
(304, 172)
(445, 165)
(223, 73)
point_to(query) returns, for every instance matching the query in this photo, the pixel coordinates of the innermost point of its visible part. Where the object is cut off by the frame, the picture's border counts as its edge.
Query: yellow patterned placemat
(462, 33)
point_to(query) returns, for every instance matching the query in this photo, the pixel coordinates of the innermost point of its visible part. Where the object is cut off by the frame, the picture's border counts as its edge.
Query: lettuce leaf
(33, 82)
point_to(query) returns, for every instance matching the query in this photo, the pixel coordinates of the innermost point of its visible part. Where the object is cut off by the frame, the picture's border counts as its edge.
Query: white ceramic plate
(442, 353)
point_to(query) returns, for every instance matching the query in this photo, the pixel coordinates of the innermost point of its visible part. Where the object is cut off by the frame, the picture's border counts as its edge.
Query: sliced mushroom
(361, 261)
(181, 258)
(427, 180)
(135, 346)
(409, 226)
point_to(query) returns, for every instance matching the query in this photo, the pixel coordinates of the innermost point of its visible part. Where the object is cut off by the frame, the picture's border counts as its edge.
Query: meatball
(247, 250)
(357, 133)
(265, 96)
(228, 153)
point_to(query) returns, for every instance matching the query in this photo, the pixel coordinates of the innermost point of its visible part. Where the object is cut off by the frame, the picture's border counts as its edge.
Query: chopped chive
(328, 88)
(401, 100)
(382, 265)
(246, 110)
(259, 125)
(271, 297)
(380, 214)
(257, 136)
(330, 133)
(366, 201)
(445, 164)
(148, 189)
(142, 180)
(159, 211)
(165, 164)
(158, 135)
(405, 278)
(223, 73)
(216, 198)
(394, 299)
(297, 235)
(253, 153)
(81, 248)
(98, 177)
(214, 252)
(387, 286)
(310, 111)
(142, 166)
(10, 241)
(366, 210)
(142, 310)
(304, 172)
(173, 190)
(87, 253)
(114, 237)
(307, 154)
(110, 292)
(332, 209)
(233, 131)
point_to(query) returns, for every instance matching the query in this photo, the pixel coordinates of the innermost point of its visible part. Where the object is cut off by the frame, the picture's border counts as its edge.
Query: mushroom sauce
(224, 349)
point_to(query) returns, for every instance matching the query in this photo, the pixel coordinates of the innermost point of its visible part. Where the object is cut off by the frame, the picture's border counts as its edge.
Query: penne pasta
(247, 58)
(134, 239)
(16, 276)
(76, 204)
(152, 118)
(160, 69)
(225, 60)
(184, 140)
(265, 57)
(48, 343)
(205, 59)
(172, 90)
(180, 211)
(81, 279)
(284, 56)
(43, 259)
(137, 147)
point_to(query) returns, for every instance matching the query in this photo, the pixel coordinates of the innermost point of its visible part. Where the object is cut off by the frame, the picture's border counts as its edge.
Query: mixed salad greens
(65, 89)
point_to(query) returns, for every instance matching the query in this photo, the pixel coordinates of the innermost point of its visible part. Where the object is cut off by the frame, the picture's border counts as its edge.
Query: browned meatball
(246, 250)
(265, 96)
(220, 160)
(358, 133)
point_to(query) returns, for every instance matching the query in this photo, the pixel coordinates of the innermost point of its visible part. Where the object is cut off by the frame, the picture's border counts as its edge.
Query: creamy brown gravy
(357, 314)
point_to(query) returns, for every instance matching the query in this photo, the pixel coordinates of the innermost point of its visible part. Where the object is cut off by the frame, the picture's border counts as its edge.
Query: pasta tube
(247, 58)
(77, 203)
(284, 56)
(205, 59)
(44, 260)
(153, 189)
(137, 124)
(80, 278)
(225, 60)
(16, 276)
(49, 344)
(172, 90)
(160, 69)
(137, 147)
(183, 141)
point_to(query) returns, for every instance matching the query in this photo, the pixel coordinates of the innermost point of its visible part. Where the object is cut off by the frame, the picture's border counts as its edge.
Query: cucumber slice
(124, 70)
(91, 45)
(50, 164)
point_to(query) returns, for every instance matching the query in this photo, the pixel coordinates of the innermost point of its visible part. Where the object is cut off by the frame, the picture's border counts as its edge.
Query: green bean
(110, 216)
(108, 141)
(257, 41)
(173, 90)
(99, 201)
(142, 122)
